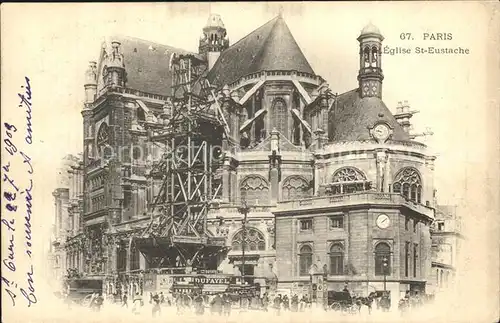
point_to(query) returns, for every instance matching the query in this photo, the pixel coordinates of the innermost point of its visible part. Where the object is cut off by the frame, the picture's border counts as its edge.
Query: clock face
(383, 221)
(381, 132)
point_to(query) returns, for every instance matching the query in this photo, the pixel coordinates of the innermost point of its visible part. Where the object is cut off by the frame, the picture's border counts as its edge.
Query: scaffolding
(190, 139)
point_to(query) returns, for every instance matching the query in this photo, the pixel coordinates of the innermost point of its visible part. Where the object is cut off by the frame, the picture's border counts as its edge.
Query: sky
(52, 43)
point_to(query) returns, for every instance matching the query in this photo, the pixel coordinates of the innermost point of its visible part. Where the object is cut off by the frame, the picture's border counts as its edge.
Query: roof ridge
(149, 42)
(295, 41)
(253, 31)
(264, 43)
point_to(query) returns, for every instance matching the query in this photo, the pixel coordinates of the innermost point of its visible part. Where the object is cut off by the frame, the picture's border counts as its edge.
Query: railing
(258, 75)
(231, 208)
(369, 144)
(124, 90)
(354, 199)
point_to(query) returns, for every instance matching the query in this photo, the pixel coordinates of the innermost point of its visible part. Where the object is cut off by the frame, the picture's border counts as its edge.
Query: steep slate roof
(269, 47)
(352, 115)
(147, 64)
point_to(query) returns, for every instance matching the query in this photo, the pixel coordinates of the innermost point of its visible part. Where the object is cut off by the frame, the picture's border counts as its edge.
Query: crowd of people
(223, 304)
(197, 303)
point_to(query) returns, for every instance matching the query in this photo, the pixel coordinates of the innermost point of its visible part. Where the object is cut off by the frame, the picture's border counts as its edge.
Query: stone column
(128, 255)
(226, 181)
(387, 174)
(135, 201)
(141, 196)
(234, 194)
(274, 166)
(274, 184)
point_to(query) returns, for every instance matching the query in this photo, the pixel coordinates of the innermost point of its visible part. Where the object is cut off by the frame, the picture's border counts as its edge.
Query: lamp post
(385, 264)
(244, 209)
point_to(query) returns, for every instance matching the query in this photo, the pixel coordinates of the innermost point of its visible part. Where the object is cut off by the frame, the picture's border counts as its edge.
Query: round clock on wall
(381, 132)
(383, 221)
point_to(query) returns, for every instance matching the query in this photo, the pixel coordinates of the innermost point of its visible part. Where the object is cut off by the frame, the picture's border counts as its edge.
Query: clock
(383, 221)
(381, 132)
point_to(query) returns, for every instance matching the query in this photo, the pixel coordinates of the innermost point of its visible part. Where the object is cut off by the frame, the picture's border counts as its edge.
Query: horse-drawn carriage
(342, 302)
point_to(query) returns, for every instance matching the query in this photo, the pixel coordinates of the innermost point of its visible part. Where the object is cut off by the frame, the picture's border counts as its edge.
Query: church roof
(352, 116)
(269, 47)
(147, 64)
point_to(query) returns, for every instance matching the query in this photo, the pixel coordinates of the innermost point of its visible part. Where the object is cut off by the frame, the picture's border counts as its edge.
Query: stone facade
(447, 240)
(67, 218)
(294, 152)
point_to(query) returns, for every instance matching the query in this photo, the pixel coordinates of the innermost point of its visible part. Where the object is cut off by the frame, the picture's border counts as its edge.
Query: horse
(366, 301)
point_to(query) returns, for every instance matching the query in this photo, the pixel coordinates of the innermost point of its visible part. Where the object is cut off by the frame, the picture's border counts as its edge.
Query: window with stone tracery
(279, 116)
(254, 190)
(102, 137)
(295, 187)
(348, 180)
(254, 240)
(409, 184)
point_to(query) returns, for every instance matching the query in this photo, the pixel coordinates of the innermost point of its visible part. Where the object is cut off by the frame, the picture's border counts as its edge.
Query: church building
(333, 183)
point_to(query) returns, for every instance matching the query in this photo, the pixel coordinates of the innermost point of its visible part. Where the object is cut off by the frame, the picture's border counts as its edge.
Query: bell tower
(370, 63)
(214, 39)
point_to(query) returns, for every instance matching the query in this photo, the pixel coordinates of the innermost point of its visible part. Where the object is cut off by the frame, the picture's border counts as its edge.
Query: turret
(213, 40)
(114, 69)
(370, 63)
(90, 83)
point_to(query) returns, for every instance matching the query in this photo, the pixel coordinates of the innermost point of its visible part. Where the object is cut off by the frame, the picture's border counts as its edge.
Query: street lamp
(244, 209)
(385, 263)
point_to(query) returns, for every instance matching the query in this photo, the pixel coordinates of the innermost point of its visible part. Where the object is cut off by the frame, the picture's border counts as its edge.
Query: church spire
(370, 63)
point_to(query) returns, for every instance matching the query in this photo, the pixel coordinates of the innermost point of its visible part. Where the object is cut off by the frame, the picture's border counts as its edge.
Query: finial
(280, 13)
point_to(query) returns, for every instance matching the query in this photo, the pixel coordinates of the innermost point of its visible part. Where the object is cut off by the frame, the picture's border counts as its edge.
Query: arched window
(349, 180)
(337, 259)
(279, 116)
(254, 240)
(305, 260)
(255, 190)
(295, 187)
(102, 136)
(366, 57)
(409, 184)
(382, 259)
(374, 57)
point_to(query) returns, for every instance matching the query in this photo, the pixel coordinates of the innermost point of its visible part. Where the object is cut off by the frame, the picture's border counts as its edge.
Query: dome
(214, 20)
(370, 29)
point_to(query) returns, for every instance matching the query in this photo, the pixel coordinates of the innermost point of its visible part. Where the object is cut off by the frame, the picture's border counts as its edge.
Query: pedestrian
(265, 302)
(98, 302)
(295, 303)
(286, 303)
(162, 298)
(138, 303)
(156, 305)
(216, 305)
(277, 304)
(199, 304)
(227, 303)
(125, 300)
